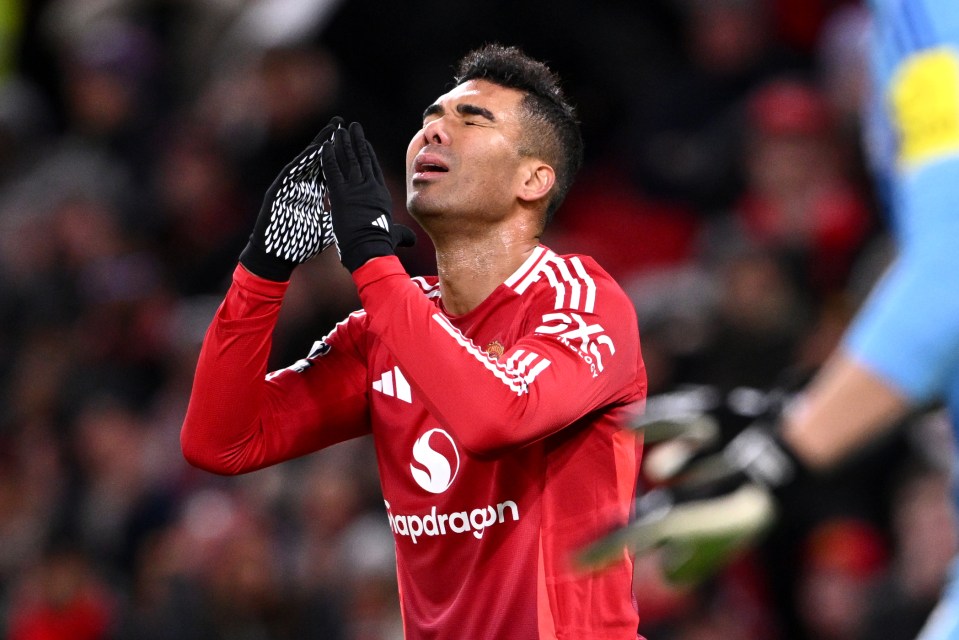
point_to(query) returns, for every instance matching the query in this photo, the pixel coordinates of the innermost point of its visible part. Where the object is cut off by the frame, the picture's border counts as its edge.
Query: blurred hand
(708, 506)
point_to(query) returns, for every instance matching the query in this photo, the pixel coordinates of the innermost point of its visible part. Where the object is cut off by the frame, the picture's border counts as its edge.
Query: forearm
(844, 407)
(223, 423)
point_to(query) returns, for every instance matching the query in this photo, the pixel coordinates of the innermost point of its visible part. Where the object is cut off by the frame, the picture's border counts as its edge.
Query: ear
(537, 178)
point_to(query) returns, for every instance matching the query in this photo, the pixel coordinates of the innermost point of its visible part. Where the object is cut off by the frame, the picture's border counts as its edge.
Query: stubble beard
(447, 221)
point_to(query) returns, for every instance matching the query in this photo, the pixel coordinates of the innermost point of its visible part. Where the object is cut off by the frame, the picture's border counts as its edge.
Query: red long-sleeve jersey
(498, 435)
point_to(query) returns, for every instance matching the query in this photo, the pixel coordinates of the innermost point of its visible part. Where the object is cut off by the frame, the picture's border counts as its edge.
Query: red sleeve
(570, 362)
(239, 418)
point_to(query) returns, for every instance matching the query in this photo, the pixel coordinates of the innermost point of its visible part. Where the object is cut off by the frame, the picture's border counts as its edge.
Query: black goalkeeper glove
(359, 200)
(293, 224)
(710, 507)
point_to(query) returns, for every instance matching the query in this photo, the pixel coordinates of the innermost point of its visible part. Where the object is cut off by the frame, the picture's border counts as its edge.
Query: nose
(435, 132)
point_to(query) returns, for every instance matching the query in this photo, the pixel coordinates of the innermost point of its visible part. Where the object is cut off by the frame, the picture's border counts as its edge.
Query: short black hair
(553, 133)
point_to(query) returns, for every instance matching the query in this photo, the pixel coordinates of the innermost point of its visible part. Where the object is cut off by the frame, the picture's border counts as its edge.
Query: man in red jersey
(496, 392)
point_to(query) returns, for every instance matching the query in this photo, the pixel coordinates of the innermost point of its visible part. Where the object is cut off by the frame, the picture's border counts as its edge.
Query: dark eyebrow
(462, 109)
(473, 110)
(432, 110)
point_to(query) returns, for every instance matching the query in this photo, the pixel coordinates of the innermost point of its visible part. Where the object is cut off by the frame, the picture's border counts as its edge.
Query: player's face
(465, 159)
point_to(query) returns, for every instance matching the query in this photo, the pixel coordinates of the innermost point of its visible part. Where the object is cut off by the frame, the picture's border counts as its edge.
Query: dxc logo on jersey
(583, 338)
(437, 454)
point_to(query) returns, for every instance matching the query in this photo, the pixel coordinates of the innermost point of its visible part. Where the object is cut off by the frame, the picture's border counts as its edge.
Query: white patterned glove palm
(294, 223)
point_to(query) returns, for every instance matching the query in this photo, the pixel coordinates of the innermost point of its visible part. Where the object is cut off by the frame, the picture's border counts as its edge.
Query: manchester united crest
(494, 349)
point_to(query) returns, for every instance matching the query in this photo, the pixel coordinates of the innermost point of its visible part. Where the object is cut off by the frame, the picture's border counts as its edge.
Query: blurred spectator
(267, 106)
(687, 122)
(798, 23)
(757, 323)
(842, 65)
(25, 127)
(110, 95)
(32, 480)
(798, 200)
(205, 217)
(374, 601)
(163, 603)
(842, 561)
(343, 550)
(650, 235)
(733, 605)
(61, 599)
(246, 593)
(115, 506)
(661, 605)
(925, 540)
(107, 71)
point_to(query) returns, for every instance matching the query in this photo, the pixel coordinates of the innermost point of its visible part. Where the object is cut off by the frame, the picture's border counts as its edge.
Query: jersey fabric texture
(499, 435)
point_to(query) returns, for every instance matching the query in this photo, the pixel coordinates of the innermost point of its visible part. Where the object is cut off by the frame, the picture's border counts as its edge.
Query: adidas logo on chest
(393, 383)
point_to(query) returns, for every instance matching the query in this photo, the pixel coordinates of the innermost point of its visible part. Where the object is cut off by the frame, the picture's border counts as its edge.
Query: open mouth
(427, 164)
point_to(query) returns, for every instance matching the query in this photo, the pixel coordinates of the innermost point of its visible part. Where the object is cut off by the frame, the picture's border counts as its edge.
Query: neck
(471, 268)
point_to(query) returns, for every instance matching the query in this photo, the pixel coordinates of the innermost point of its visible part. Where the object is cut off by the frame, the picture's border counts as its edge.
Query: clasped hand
(360, 203)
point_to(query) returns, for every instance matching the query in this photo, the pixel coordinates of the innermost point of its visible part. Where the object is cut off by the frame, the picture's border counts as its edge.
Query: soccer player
(495, 393)
(902, 350)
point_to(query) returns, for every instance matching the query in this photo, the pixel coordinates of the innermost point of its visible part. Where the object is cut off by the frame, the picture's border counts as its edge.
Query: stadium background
(725, 188)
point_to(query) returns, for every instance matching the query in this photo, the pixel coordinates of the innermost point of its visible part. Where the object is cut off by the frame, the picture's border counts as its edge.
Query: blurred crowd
(725, 187)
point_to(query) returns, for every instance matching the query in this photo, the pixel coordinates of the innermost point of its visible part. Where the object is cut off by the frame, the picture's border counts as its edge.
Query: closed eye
(464, 110)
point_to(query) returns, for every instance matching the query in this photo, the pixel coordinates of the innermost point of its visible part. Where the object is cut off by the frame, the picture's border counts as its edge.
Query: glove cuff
(261, 264)
(762, 454)
(359, 255)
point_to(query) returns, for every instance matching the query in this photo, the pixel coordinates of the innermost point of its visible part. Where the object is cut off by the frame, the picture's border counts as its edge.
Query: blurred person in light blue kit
(902, 350)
